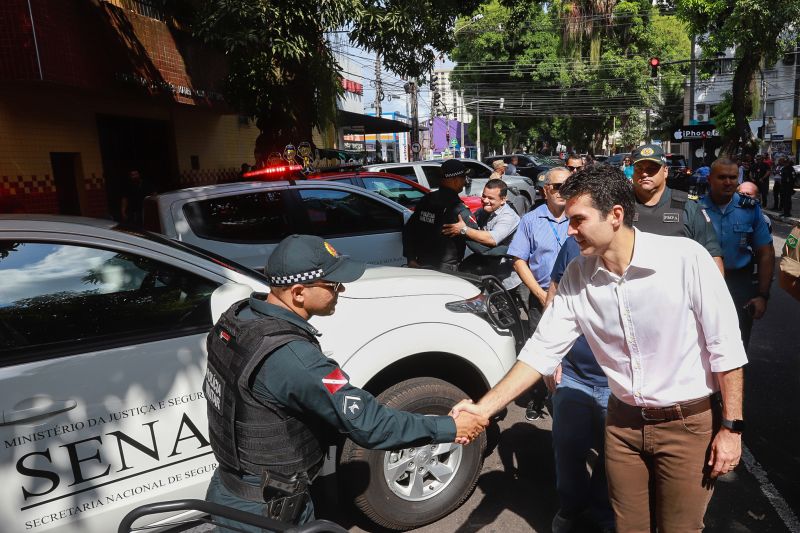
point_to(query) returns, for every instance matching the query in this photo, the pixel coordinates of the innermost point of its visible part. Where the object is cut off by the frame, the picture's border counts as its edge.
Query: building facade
(90, 90)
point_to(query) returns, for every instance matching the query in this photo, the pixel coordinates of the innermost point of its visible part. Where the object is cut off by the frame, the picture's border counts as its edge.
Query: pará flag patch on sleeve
(334, 381)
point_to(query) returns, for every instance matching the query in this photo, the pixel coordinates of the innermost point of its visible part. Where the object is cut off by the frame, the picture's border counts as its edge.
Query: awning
(365, 124)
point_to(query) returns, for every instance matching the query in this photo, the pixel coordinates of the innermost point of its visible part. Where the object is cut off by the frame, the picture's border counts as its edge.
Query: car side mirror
(225, 296)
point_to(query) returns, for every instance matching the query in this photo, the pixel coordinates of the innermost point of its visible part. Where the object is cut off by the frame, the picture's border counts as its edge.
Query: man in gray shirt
(497, 222)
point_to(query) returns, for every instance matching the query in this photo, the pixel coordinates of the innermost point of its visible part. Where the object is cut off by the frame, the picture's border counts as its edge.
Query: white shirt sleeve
(557, 330)
(714, 309)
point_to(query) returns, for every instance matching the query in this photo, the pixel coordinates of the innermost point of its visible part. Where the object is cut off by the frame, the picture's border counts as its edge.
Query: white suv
(522, 190)
(245, 221)
(102, 359)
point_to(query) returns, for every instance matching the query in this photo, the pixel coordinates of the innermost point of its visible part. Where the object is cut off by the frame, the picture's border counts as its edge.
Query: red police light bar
(654, 62)
(273, 172)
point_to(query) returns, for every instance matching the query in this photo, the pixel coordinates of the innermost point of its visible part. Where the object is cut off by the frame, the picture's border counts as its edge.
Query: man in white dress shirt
(659, 318)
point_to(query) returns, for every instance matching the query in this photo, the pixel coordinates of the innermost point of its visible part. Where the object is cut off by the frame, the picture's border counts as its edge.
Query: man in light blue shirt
(539, 237)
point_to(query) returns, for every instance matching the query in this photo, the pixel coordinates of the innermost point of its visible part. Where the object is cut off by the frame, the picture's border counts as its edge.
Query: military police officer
(424, 245)
(746, 243)
(271, 393)
(665, 211)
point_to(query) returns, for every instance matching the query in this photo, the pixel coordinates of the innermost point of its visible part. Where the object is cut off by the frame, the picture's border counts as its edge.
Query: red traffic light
(654, 62)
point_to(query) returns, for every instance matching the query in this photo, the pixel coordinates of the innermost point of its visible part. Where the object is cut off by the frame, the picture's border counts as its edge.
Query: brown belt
(673, 412)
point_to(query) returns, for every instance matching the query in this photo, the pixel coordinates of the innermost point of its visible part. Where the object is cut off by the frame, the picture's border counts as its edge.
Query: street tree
(282, 68)
(760, 30)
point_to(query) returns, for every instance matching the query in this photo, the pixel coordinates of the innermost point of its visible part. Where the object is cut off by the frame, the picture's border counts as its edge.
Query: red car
(402, 190)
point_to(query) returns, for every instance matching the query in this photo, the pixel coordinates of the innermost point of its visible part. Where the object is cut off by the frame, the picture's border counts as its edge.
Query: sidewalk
(777, 215)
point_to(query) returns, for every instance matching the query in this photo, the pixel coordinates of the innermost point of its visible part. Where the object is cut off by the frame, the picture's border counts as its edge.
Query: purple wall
(440, 137)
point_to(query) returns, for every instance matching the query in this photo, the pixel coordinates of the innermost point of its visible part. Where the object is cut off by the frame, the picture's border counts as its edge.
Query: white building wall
(451, 98)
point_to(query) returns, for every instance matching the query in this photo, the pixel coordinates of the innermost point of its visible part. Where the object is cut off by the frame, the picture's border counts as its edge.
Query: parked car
(679, 175)
(528, 165)
(522, 190)
(245, 221)
(615, 160)
(404, 191)
(102, 359)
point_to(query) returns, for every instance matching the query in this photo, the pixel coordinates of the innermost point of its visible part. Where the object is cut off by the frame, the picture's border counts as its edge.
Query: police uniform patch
(334, 381)
(671, 217)
(213, 389)
(708, 218)
(331, 249)
(427, 217)
(791, 241)
(352, 406)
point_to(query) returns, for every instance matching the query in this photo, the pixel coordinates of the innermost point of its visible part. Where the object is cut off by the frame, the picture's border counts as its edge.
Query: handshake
(470, 421)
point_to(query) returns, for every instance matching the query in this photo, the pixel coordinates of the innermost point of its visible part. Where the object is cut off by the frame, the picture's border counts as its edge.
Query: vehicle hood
(392, 282)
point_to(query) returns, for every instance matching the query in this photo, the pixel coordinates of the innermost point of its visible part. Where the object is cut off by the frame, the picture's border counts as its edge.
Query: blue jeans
(579, 416)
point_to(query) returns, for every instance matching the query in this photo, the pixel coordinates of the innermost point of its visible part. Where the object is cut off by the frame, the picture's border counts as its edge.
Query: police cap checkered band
(307, 258)
(453, 169)
(302, 277)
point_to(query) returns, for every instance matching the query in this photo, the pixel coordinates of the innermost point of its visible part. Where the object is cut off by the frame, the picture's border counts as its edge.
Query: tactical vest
(667, 219)
(247, 436)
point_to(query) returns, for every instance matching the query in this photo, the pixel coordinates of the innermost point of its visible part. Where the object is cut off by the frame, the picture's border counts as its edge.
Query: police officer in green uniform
(666, 211)
(424, 245)
(272, 395)
(746, 243)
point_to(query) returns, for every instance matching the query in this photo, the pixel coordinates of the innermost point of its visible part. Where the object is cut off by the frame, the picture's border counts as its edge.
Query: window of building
(61, 296)
(769, 109)
(248, 218)
(332, 213)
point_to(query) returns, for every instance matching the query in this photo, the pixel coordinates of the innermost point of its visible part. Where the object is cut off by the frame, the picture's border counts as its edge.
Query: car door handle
(33, 413)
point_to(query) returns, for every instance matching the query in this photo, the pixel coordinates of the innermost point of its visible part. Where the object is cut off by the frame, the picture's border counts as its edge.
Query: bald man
(748, 188)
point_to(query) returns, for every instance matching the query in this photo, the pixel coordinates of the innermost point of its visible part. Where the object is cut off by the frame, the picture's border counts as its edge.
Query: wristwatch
(737, 426)
(463, 230)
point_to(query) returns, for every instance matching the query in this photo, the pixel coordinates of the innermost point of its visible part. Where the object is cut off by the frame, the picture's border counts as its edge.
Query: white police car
(245, 221)
(102, 359)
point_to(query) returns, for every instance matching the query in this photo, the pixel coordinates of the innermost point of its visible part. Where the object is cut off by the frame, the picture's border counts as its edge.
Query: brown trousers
(657, 472)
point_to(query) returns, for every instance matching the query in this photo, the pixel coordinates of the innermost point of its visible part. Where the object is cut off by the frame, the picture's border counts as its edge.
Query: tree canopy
(760, 30)
(282, 68)
(569, 70)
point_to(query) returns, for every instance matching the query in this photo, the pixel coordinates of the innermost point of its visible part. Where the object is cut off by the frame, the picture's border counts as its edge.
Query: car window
(406, 172)
(676, 160)
(336, 213)
(250, 218)
(402, 193)
(56, 296)
(433, 173)
(477, 172)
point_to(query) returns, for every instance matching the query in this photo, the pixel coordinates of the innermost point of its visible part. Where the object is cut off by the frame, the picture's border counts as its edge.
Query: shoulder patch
(352, 406)
(705, 214)
(335, 380)
(791, 241)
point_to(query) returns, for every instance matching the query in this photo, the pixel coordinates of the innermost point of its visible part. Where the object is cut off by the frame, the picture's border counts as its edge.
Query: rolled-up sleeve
(557, 331)
(506, 223)
(715, 310)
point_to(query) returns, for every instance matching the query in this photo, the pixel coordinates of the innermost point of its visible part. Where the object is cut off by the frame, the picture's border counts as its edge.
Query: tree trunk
(748, 64)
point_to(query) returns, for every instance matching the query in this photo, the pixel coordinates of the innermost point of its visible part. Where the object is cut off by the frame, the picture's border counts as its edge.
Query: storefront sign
(695, 133)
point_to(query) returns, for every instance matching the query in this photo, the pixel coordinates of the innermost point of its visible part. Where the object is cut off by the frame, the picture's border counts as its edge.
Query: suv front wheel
(408, 488)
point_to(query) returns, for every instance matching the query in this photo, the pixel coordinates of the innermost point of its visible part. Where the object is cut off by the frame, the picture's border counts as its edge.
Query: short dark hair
(497, 183)
(606, 185)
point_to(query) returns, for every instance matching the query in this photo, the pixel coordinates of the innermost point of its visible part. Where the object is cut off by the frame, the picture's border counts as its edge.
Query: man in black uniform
(665, 211)
(272, 394)
(424, 245)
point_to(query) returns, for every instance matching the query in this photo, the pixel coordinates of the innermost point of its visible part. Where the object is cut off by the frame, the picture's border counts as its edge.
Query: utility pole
(478, 116)
(378, 112)
(763, 107)
(461, 117)
(414, 86)
(692, 78)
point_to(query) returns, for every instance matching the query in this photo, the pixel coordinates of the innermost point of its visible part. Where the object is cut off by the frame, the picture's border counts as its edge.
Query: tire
(396, 502)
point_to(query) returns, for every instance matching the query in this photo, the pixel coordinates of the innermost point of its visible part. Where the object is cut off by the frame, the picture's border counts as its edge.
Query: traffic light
(654, 64)
(433, 82)
(437, 99)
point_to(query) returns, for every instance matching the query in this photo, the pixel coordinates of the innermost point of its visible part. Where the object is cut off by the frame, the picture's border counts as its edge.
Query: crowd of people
(607, 271)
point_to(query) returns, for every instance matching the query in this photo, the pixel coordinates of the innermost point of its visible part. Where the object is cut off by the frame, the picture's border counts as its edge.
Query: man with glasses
(665, 211)
(273, 395)
(574, 163)
(745, 240)
(539, 237)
